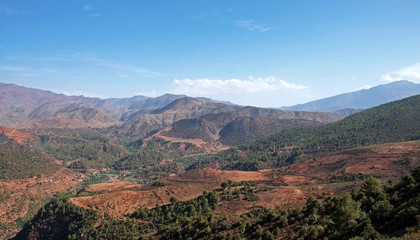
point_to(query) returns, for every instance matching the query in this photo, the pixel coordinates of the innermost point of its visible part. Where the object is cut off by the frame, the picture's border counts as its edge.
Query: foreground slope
(271, 205)
(27, 179)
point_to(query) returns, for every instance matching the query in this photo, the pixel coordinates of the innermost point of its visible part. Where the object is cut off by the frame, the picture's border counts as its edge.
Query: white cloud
(96, 15)
(252, 25)
(411, 73)
(365, 87)
(80, 93)
(228, 86)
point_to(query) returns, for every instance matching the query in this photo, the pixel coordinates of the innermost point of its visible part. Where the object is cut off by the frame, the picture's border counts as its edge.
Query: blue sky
(261, 53)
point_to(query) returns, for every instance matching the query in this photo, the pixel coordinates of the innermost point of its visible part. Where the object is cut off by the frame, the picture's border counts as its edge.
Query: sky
(259, 53)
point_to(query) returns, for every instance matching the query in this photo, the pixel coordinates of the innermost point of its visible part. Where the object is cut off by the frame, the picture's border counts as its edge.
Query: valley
(209, 120)
(150, 167)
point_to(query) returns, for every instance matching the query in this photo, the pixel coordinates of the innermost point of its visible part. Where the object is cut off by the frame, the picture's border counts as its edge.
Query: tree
(173, 199)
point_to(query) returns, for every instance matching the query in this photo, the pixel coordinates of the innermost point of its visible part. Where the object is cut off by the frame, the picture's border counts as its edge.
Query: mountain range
(174, 115)
(180, 116)
(348, 103)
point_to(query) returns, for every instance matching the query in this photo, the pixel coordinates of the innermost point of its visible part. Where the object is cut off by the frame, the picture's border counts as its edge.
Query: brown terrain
(191, 118)
(20, 137)
(386, 160)
(278, 188)
(22, 198)
(205, 146)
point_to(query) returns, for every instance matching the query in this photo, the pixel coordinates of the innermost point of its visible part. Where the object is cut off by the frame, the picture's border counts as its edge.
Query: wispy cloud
(365, 87)
(10, 68)
(152, 93)
(87, 8)
(122, 70)
(252, 25)
(216, 86)
(9, 11)
(411, 73)
(90, 8)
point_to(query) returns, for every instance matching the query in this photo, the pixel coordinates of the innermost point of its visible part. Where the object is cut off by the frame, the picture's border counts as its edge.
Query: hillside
(85, 114)
(155, 103)
(79, 149)
(248, 129)
(391, 122)
(18, 162)
(27, 180)
(193, 129)
(361, 99)
(184, 108)
(243, 124)
(125, 102)
(211, 118)
(19, 105)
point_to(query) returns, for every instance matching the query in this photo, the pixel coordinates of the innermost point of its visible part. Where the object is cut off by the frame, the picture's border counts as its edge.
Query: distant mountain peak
(361, 99)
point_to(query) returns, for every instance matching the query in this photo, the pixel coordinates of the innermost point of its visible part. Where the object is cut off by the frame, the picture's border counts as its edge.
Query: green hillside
(391, 122)
(88, 147)
(18, 162)
(248, 129)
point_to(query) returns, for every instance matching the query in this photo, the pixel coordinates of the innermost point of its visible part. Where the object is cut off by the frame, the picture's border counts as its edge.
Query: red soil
(27, 195)
(19, 136)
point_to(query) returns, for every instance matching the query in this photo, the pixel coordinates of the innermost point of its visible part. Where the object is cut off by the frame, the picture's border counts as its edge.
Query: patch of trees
(232, 159)
(151, 155)
(18, 161)
(91, 149)
(179, 212)
(92, 179)
(156, 172)
(59, 219)
(233, 190)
